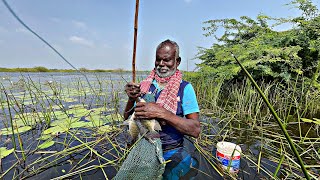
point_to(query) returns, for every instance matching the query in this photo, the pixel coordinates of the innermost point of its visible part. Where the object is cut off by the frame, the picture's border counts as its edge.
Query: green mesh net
(145, 161)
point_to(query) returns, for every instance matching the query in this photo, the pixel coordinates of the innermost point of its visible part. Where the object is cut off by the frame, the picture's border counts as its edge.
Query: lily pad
(44, 137)
(63, 126)
(79, 124)
(57, 107)
(54, 130)
(4, 152)
(69, 100)
(64, 122)
(79, 112)
(59, 115)
(77, 106)
(46, 144)
(6, 131)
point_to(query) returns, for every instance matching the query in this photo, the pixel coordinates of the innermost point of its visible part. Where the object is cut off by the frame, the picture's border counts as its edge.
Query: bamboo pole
(135, 41)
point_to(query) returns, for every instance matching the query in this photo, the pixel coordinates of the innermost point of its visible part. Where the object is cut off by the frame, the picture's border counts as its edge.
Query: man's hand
(152, 110)
(132, 90)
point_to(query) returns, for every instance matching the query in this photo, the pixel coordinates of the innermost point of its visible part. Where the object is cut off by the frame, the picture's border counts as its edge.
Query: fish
(148, 128)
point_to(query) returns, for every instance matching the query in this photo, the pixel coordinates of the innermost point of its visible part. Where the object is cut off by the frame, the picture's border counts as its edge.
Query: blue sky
(98, 34)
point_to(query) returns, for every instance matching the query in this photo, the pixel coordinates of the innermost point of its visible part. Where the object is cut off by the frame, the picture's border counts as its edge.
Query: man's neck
(162, 85)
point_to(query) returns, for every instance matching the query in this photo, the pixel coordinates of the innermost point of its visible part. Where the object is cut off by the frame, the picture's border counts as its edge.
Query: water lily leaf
(100, 110)
(64, 122)
(60, 114)
(54, 130)
(46, 144)
(79, 112)
(77, 106)
(44, 137)
(57, 107)
(96, 120)
(60, 126)
(107, 129)
(114, 117)
(6, 131)
(79, 124)
(4, 152)
(69, 100)
(28, 116)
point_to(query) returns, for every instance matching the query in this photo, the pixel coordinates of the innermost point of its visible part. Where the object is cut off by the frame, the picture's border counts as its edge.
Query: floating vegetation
(85, 135)
(46, 144)
(4, 152)
(62, 118)
(22, 129)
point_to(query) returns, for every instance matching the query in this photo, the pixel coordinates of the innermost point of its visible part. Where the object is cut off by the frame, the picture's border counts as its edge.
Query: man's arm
(133, 92)
(189, 125)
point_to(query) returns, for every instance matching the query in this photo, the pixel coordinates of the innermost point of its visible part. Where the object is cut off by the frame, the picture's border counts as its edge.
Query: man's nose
(161, 63)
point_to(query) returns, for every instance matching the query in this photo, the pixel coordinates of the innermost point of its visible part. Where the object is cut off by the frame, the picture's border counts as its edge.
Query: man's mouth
(162, 70)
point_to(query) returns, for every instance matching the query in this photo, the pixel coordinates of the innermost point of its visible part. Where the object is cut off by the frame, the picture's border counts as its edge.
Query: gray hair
(168, 41)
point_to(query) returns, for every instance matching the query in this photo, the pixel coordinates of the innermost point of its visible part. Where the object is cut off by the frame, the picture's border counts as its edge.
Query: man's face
(165, 63)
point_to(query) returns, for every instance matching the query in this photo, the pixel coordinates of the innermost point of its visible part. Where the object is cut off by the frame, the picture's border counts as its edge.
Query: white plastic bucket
(227, 151)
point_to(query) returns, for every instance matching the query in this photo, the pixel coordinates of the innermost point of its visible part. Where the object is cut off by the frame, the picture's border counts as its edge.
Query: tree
(266, 53)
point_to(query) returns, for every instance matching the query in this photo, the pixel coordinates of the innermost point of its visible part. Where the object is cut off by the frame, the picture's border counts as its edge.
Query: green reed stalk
(91, 149)
(275, 115)
(21, 146)
(11, 120)
(279, 164)
(5, 119)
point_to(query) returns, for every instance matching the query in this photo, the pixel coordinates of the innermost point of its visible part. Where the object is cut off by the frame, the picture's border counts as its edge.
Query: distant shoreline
(44, 69)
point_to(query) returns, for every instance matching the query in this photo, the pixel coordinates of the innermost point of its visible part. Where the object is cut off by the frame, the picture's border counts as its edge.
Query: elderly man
(175, 107)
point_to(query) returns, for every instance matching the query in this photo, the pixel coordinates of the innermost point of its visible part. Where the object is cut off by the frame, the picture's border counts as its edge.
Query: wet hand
(133, 90)
(152, 110)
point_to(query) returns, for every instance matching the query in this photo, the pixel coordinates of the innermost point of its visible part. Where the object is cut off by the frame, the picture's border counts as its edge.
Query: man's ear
(178, 61)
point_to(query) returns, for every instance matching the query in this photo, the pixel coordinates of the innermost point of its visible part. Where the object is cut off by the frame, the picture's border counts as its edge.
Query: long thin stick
(135, 42)
(275, 115)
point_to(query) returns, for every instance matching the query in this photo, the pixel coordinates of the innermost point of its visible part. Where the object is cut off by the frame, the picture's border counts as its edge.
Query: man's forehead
(167, 49)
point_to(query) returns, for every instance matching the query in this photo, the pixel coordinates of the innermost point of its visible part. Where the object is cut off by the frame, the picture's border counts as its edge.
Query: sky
(98, 34)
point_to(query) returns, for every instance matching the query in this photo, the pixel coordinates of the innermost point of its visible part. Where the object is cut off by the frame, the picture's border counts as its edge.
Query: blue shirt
(170, 136)
(189, 101)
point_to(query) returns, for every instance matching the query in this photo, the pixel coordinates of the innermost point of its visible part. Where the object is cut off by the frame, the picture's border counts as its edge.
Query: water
(50, 92)
(37, 93)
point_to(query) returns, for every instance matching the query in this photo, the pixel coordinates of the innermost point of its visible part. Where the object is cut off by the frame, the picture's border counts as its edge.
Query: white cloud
(81, 41)
(187, 1)
(79, 24)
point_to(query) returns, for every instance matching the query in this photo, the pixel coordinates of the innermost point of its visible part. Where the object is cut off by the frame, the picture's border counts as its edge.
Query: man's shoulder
(184, 82)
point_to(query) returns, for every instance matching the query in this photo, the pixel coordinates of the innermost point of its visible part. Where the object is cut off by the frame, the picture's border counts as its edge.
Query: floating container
(227, 151)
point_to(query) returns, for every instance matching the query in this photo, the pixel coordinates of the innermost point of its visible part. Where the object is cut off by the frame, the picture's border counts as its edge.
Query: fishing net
(145, 161)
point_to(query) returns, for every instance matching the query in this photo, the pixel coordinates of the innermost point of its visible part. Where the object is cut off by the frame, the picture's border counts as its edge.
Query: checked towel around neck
(168, 96)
